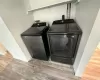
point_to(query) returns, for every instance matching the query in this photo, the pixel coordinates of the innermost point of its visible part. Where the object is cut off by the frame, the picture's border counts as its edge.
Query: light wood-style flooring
(92, 71)
(5, 60)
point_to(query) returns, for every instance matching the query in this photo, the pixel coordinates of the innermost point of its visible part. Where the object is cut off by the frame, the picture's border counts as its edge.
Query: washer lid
(34, 31)
(39, 24)
(65, 28)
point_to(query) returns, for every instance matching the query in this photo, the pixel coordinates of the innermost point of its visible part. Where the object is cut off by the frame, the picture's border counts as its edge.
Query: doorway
(92, 70)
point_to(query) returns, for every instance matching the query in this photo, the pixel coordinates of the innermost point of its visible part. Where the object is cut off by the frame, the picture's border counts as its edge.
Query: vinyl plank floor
(37, 70)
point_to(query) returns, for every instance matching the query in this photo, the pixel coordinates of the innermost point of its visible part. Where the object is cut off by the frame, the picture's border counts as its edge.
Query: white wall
(9, 42)
(86, 12)
(91, 45)
(98, 45)
(53, 13)
(27, 5)
(14, 15)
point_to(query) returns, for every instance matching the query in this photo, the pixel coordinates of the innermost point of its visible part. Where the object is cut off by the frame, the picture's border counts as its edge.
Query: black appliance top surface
(34, 31)
(65, 28)
(40, 24)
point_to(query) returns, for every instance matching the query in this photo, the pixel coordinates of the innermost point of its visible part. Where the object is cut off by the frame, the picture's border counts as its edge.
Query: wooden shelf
(40, 4)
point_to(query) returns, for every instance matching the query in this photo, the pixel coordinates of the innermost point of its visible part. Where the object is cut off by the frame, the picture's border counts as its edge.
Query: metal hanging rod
(68, 10)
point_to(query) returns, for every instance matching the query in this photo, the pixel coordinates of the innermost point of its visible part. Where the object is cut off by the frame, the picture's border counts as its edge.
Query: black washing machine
(64, 37)
(35, 39)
